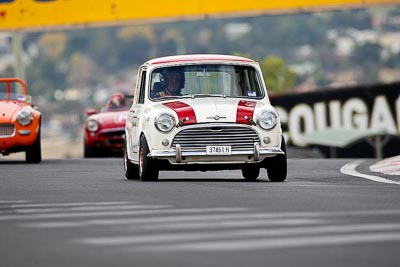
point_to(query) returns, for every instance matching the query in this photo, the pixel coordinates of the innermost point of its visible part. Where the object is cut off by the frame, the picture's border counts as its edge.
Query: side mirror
(90, 111)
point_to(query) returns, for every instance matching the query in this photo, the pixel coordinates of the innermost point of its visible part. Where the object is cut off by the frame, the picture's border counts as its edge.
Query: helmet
(116, 100)
(166, 71)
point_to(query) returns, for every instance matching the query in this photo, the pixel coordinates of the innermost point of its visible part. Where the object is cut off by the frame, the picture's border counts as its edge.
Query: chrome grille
(196, 139)
(7, 130)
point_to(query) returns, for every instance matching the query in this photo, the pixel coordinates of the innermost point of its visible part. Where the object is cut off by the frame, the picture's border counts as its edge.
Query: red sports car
(104, 131)
(20, 122)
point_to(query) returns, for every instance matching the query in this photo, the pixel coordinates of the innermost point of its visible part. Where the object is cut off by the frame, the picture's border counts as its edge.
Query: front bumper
(254, 155)
(16, 138)
(110, 139)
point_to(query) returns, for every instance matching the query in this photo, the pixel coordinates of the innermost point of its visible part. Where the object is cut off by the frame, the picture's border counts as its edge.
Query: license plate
(218, 150)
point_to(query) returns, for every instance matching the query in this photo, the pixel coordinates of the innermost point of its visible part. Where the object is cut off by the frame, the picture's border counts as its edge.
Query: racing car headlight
(165, 122)
(92, 125)
(24, 117)
(267, 119)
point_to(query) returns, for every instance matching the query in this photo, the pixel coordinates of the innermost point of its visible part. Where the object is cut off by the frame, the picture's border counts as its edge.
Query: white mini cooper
(202, 112)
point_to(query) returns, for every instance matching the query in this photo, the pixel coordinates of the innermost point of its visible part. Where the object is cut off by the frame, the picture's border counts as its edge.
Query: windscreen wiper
(207, 95)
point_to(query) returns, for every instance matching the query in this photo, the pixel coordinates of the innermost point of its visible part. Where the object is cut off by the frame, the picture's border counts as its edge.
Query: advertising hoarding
(42, 14)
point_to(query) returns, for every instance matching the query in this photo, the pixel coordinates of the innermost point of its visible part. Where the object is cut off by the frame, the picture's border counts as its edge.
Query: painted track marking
(350, 169)
(208, 229)
(390, 166)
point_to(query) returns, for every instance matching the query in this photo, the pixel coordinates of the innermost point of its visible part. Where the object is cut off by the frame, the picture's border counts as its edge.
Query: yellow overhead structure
(42, 14)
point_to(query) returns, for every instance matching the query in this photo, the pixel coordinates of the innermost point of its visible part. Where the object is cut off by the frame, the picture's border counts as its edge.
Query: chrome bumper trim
(256, 152)
(178, 154)
(24, 132)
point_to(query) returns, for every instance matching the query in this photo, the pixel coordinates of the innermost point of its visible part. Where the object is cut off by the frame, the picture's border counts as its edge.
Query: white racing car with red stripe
(202, 112)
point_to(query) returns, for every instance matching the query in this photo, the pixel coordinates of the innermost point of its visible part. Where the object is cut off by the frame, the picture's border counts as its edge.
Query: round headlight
(24, 117)
(92, 125)
(165, 122)
(267, 120)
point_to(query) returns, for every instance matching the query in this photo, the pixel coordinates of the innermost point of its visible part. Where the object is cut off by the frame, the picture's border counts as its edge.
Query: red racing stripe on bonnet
(184, 111)
(244, 111)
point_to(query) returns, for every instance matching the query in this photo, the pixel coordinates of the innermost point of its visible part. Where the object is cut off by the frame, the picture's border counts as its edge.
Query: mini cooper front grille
(7, 130)
(196, 139)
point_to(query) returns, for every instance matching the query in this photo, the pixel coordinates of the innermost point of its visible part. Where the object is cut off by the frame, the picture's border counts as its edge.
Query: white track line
(235, 235)
(88, 208)
(167, 219)
(151, 209)
(69, 204)
(225, 224)
(350, 169)
(187, 225)
(275, 243)
(12, 201)
(144, 210)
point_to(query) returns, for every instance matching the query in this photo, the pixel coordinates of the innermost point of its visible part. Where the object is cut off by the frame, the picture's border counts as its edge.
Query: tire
(250, 172)
(277, 166)
(89, 152)
(148, 170)
(34, 152)
(131, 170)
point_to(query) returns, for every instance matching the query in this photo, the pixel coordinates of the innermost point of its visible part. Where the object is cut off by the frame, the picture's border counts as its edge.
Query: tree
(83, 71)
(135, 45)
(53, 44)
(277, 74)
(172, 42)
(368, 58)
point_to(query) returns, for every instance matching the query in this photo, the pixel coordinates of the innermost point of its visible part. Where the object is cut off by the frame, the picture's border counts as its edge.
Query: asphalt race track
(82, 212)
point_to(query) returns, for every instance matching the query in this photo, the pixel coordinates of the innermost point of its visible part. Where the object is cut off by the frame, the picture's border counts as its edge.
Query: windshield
(205, 80)
(15, 92)
(118, 102)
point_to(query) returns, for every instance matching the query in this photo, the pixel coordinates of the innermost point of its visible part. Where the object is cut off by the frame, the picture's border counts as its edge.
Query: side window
(6, 1)
(142, 88)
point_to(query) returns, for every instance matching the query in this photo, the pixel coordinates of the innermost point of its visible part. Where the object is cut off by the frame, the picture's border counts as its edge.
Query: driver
(116, 100)
(172, 81)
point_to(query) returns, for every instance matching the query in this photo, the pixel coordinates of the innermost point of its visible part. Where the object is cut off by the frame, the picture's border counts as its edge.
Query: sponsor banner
(45, 14)
(374, 107)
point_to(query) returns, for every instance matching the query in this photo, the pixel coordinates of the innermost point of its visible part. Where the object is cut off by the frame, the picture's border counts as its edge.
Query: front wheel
(34, 153)
(89, 151)
(131, 170)
(277, 166)
(148, 169)
(250, 172)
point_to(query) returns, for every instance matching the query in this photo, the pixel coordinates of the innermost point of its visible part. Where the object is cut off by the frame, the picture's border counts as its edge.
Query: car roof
(199, 57)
